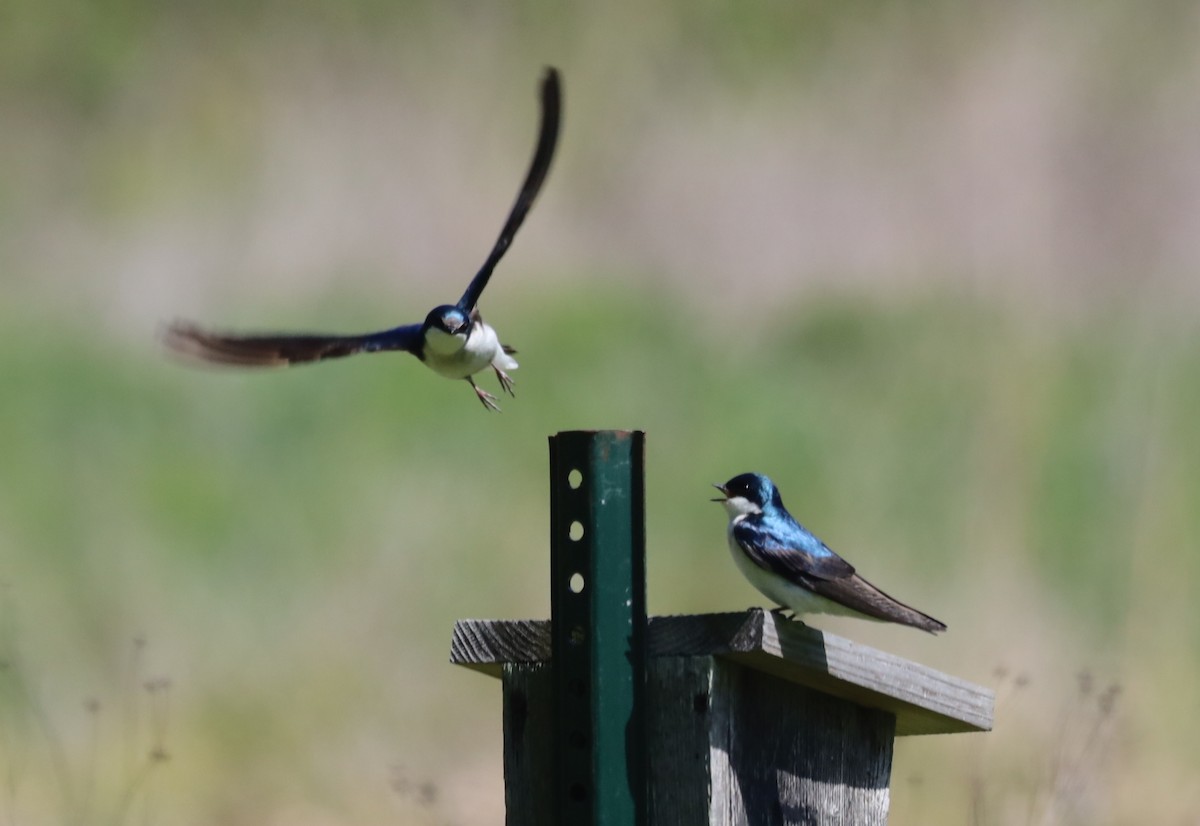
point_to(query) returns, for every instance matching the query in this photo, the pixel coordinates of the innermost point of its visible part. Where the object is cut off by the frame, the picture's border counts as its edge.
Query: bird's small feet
(489, 401)
(506, 381)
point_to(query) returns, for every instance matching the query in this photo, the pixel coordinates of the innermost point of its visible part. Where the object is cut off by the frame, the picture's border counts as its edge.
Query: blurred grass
(933, 269)
(295, 545)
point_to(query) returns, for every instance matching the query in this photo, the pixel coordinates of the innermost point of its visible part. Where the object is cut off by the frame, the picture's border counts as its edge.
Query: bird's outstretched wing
(540, 166)
(798, 556)
(280, 350)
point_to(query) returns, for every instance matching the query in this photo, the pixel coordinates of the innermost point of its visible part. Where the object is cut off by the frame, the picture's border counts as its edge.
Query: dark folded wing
(279, 350)
(538, 169)
(795, 554)
(789, 551)
(862, 596)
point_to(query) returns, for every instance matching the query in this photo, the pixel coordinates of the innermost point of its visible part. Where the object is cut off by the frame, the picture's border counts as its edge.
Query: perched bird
(453, 341)
(794, 568)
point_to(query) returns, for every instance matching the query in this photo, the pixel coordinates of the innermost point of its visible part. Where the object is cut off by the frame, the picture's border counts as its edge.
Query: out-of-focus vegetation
(933, 269)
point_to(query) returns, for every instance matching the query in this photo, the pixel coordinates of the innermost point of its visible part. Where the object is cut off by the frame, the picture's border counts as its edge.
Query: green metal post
(598, 617)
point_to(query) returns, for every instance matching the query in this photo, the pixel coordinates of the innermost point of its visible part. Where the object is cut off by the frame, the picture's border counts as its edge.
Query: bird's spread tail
(504, 359)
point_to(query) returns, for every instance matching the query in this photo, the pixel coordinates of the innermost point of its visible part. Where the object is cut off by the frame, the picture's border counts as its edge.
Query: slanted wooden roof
(924, 701)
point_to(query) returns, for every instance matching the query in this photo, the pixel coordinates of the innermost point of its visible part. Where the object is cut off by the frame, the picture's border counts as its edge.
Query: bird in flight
(453, 340)
(794, 568)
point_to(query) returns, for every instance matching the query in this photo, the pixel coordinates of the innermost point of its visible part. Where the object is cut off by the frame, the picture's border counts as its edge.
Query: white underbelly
(481, 349)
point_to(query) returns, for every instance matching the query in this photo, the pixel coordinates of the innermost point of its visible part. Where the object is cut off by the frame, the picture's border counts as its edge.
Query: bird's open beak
(724, 497)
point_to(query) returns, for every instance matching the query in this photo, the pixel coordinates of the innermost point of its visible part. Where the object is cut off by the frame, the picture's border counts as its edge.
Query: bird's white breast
(459, 356)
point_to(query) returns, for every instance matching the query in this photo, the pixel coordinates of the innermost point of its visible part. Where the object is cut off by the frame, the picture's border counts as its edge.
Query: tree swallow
(795, 569)
(453, 341)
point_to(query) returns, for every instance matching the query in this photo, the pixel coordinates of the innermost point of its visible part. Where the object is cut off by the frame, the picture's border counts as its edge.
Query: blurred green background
(933, 267)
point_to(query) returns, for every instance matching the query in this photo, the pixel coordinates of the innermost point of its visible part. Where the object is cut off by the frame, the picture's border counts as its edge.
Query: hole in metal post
(575, 531)
(576, 583)
(577, 635)
(575, 479)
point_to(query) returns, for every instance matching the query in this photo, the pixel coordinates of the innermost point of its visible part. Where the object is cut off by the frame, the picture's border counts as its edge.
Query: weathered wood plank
(924, 701)
(728, 746)
(486, 645)
(679, 716)
(790, 755)
(528, 746)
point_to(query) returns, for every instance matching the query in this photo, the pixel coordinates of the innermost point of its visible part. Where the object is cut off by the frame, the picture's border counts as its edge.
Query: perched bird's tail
(911, 616)
(855, 592)
(893, 610)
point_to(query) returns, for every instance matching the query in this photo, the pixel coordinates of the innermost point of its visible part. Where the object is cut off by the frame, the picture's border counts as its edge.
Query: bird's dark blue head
(753, 489)
(448, 319)
(445, 331)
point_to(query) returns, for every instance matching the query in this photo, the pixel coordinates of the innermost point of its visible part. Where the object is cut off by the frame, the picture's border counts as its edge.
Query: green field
(293, 547)
(933, 272)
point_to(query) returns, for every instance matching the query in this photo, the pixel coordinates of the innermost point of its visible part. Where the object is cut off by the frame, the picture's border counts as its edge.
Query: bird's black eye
(744, 486)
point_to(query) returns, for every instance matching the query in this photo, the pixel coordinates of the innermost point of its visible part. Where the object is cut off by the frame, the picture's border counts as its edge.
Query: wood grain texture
(486, 645)
(728, 746)
(923, 700)
(793, 756)
(678, 720)
(529, 773)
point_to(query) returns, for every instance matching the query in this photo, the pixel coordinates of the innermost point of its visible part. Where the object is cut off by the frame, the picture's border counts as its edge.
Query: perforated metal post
(598, 618)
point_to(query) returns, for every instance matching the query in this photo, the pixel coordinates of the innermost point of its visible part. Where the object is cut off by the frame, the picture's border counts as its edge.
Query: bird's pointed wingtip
(170, 328)
(929, 624)
(177, 335)
(184, 340)
(552, 85)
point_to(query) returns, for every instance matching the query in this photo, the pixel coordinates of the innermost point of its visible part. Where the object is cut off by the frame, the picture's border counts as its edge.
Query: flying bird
(793, 567)
(453, 340)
